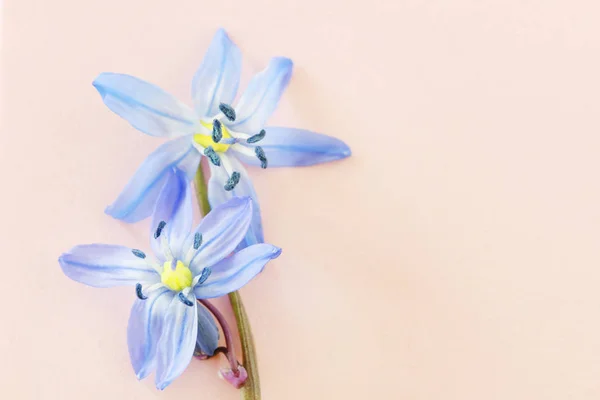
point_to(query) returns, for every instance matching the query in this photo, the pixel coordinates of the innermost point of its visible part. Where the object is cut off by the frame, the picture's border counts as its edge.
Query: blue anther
(217, 133)
(257, 138)
(138, 291)
(204, 275)
(212, 156)
(228, 111)
(161, 226)
(138, 253)
(232, 181)
(197, 240)
(184, 300)
(260, 154)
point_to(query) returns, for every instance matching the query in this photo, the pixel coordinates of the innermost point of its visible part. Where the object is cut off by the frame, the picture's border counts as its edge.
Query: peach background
(454, 256)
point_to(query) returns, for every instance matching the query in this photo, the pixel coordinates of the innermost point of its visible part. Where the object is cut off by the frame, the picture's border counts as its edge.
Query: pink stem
(230, 353)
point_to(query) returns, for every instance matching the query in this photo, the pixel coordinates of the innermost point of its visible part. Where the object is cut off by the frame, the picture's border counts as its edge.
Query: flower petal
(218, 77)
(105, 265)
(144, 329)
(145, 106)
(234, 272)
(208, 333)
(138, 199)
(222, 230)
(290, 147)
(177, 341)
(262, 95)
(218, 195)
(174, 206)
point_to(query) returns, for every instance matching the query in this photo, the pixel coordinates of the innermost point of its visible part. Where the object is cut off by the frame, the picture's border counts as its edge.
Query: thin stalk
(230, 352)
(251, 389)
(201, 191)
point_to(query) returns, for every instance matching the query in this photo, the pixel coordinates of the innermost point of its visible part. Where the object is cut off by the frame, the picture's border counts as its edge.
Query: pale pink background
(454, 256)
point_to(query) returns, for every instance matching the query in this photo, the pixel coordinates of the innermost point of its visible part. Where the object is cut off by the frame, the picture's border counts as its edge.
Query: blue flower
(166, 323)
(226, 135)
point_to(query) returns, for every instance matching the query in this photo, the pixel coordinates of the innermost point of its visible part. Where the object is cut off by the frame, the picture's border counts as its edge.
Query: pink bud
(237, 380)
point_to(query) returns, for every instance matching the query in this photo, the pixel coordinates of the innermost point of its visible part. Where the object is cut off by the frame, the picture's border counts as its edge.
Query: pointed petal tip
(111, 211)
(345, 151)
(61, 261)
(221, 32)
(276, 252)
(98, 82)
(283, 62)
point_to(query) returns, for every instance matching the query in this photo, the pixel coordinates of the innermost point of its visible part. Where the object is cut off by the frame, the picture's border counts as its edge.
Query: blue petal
(138, 199)
(208, 333)
(217, 79)
(144, 329)
(177, 341)
(234, 272)
(218, 195)
(290, 147)
(105, 265)
(222, 230)
(174, 206)
(145, 106)
(262, 95)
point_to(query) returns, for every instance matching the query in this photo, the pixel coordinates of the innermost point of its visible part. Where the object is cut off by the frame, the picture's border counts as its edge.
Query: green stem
(201, 191)
(251, 389)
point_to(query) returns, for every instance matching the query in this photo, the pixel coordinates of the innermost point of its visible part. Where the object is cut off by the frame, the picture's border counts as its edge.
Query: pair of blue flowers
(226, 250)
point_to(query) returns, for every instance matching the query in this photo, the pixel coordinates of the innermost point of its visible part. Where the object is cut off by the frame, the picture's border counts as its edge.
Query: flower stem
(251, 389)
(230, 352)
(201, 191)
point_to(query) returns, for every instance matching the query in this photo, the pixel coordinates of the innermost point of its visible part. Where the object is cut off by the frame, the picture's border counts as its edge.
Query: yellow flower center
(206, 140)
(176, 279)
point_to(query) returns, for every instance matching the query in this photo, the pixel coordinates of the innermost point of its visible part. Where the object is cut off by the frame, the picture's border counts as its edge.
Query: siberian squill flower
(166, 323)
(224, 134)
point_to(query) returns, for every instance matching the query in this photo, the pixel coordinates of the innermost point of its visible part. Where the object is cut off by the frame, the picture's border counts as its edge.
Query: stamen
(138, 291)
(166, 249)
(217, 133)
(213, 156)
(228, 140)
(232, 181)
(257, 138)
(184, 300)
(173, 264)
(161, 226)
(228, 111)
(260, 154)
(204, 275)
(197, 240)
(138, 253)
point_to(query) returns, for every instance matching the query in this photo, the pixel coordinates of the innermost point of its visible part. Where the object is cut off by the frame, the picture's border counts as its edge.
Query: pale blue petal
(262, 95)
(105, 265)
(138, 199)
(218, 77)
(208, 333)
(218, 195)
(145, 106)
(222, 230)
(174, 207)
(190, 164)
(144, 329)
(234, 272)
(290, 147)
(177, 341)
